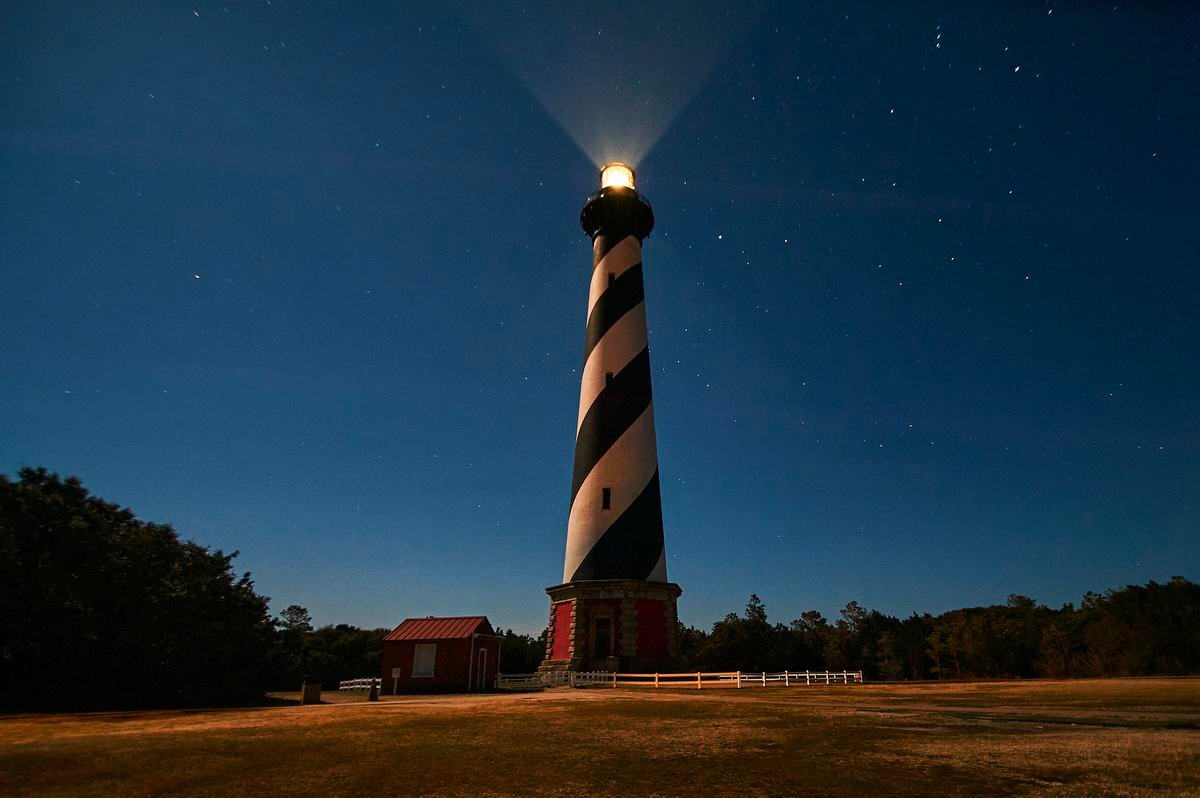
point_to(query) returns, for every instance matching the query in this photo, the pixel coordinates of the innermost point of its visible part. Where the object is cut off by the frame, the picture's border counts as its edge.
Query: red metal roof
(440, 628)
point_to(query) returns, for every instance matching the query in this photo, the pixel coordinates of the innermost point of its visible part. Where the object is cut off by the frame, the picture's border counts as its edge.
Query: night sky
(307, 281)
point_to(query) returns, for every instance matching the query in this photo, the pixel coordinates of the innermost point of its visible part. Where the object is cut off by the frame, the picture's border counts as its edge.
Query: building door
(602, 638)
(482, 685)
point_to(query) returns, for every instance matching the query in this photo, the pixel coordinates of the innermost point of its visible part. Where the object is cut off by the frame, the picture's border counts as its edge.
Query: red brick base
(638, 619)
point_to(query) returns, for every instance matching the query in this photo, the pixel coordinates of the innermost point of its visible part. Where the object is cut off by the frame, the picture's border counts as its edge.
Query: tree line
(99, 609)
(1138, 630)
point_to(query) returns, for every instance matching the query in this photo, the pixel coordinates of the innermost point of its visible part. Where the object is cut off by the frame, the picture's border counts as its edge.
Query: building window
(423, 656)
(606, 499)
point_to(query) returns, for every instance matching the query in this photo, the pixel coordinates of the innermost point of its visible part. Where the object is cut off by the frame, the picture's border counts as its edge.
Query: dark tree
(691, 641)
(811, 633)
(292, 661)
(1142, 630)
(295, 619)
(328, 655)
(100, 609)
(521, 653)
(343, 652)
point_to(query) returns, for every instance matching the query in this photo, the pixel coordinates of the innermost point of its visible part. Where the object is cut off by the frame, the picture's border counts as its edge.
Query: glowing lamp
(616, 174)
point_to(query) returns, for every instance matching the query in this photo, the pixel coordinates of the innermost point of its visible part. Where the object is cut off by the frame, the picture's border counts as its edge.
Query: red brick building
(440, 655)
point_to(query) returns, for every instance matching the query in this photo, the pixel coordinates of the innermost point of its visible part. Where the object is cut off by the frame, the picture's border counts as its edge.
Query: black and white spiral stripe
(614, 444)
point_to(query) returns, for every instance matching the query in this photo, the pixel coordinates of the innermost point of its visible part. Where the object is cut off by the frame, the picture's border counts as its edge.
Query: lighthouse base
(612, 624)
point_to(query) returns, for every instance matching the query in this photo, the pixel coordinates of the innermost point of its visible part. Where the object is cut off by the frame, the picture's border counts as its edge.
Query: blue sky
(307, 281)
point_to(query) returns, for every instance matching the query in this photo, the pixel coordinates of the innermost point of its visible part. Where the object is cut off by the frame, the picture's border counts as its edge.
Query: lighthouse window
(607, 378)
(606, 499)
(611, 278)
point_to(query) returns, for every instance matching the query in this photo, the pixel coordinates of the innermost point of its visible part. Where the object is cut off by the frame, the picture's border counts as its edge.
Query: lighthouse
(615, 608)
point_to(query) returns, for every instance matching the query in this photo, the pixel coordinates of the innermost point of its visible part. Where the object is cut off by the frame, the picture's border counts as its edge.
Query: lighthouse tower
(615, 608)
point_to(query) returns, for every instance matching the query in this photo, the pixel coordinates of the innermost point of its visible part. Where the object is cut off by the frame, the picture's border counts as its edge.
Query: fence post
(739, 679)
(698, 687)
(807, 678)
(764, 677)
(787, 681)
(614, 680)
(826, 677)
(656, 681)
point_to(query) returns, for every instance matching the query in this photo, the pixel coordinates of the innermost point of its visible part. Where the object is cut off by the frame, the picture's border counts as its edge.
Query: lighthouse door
(602, 638)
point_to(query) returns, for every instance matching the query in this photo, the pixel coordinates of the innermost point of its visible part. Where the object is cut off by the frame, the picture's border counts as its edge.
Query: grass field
(1111, 737)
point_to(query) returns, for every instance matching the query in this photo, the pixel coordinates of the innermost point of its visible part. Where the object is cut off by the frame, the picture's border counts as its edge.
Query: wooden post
(764, 677)
(738, 675)
(807, 678)
(787, 682)
(698, 687)
(614, 680)
(656, 681)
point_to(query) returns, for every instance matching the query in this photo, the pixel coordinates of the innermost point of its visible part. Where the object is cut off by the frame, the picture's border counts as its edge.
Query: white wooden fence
(553, 679)
(360, 684)
(698, 680)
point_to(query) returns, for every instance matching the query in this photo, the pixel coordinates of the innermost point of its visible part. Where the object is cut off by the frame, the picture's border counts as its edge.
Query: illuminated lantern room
(616, 174)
